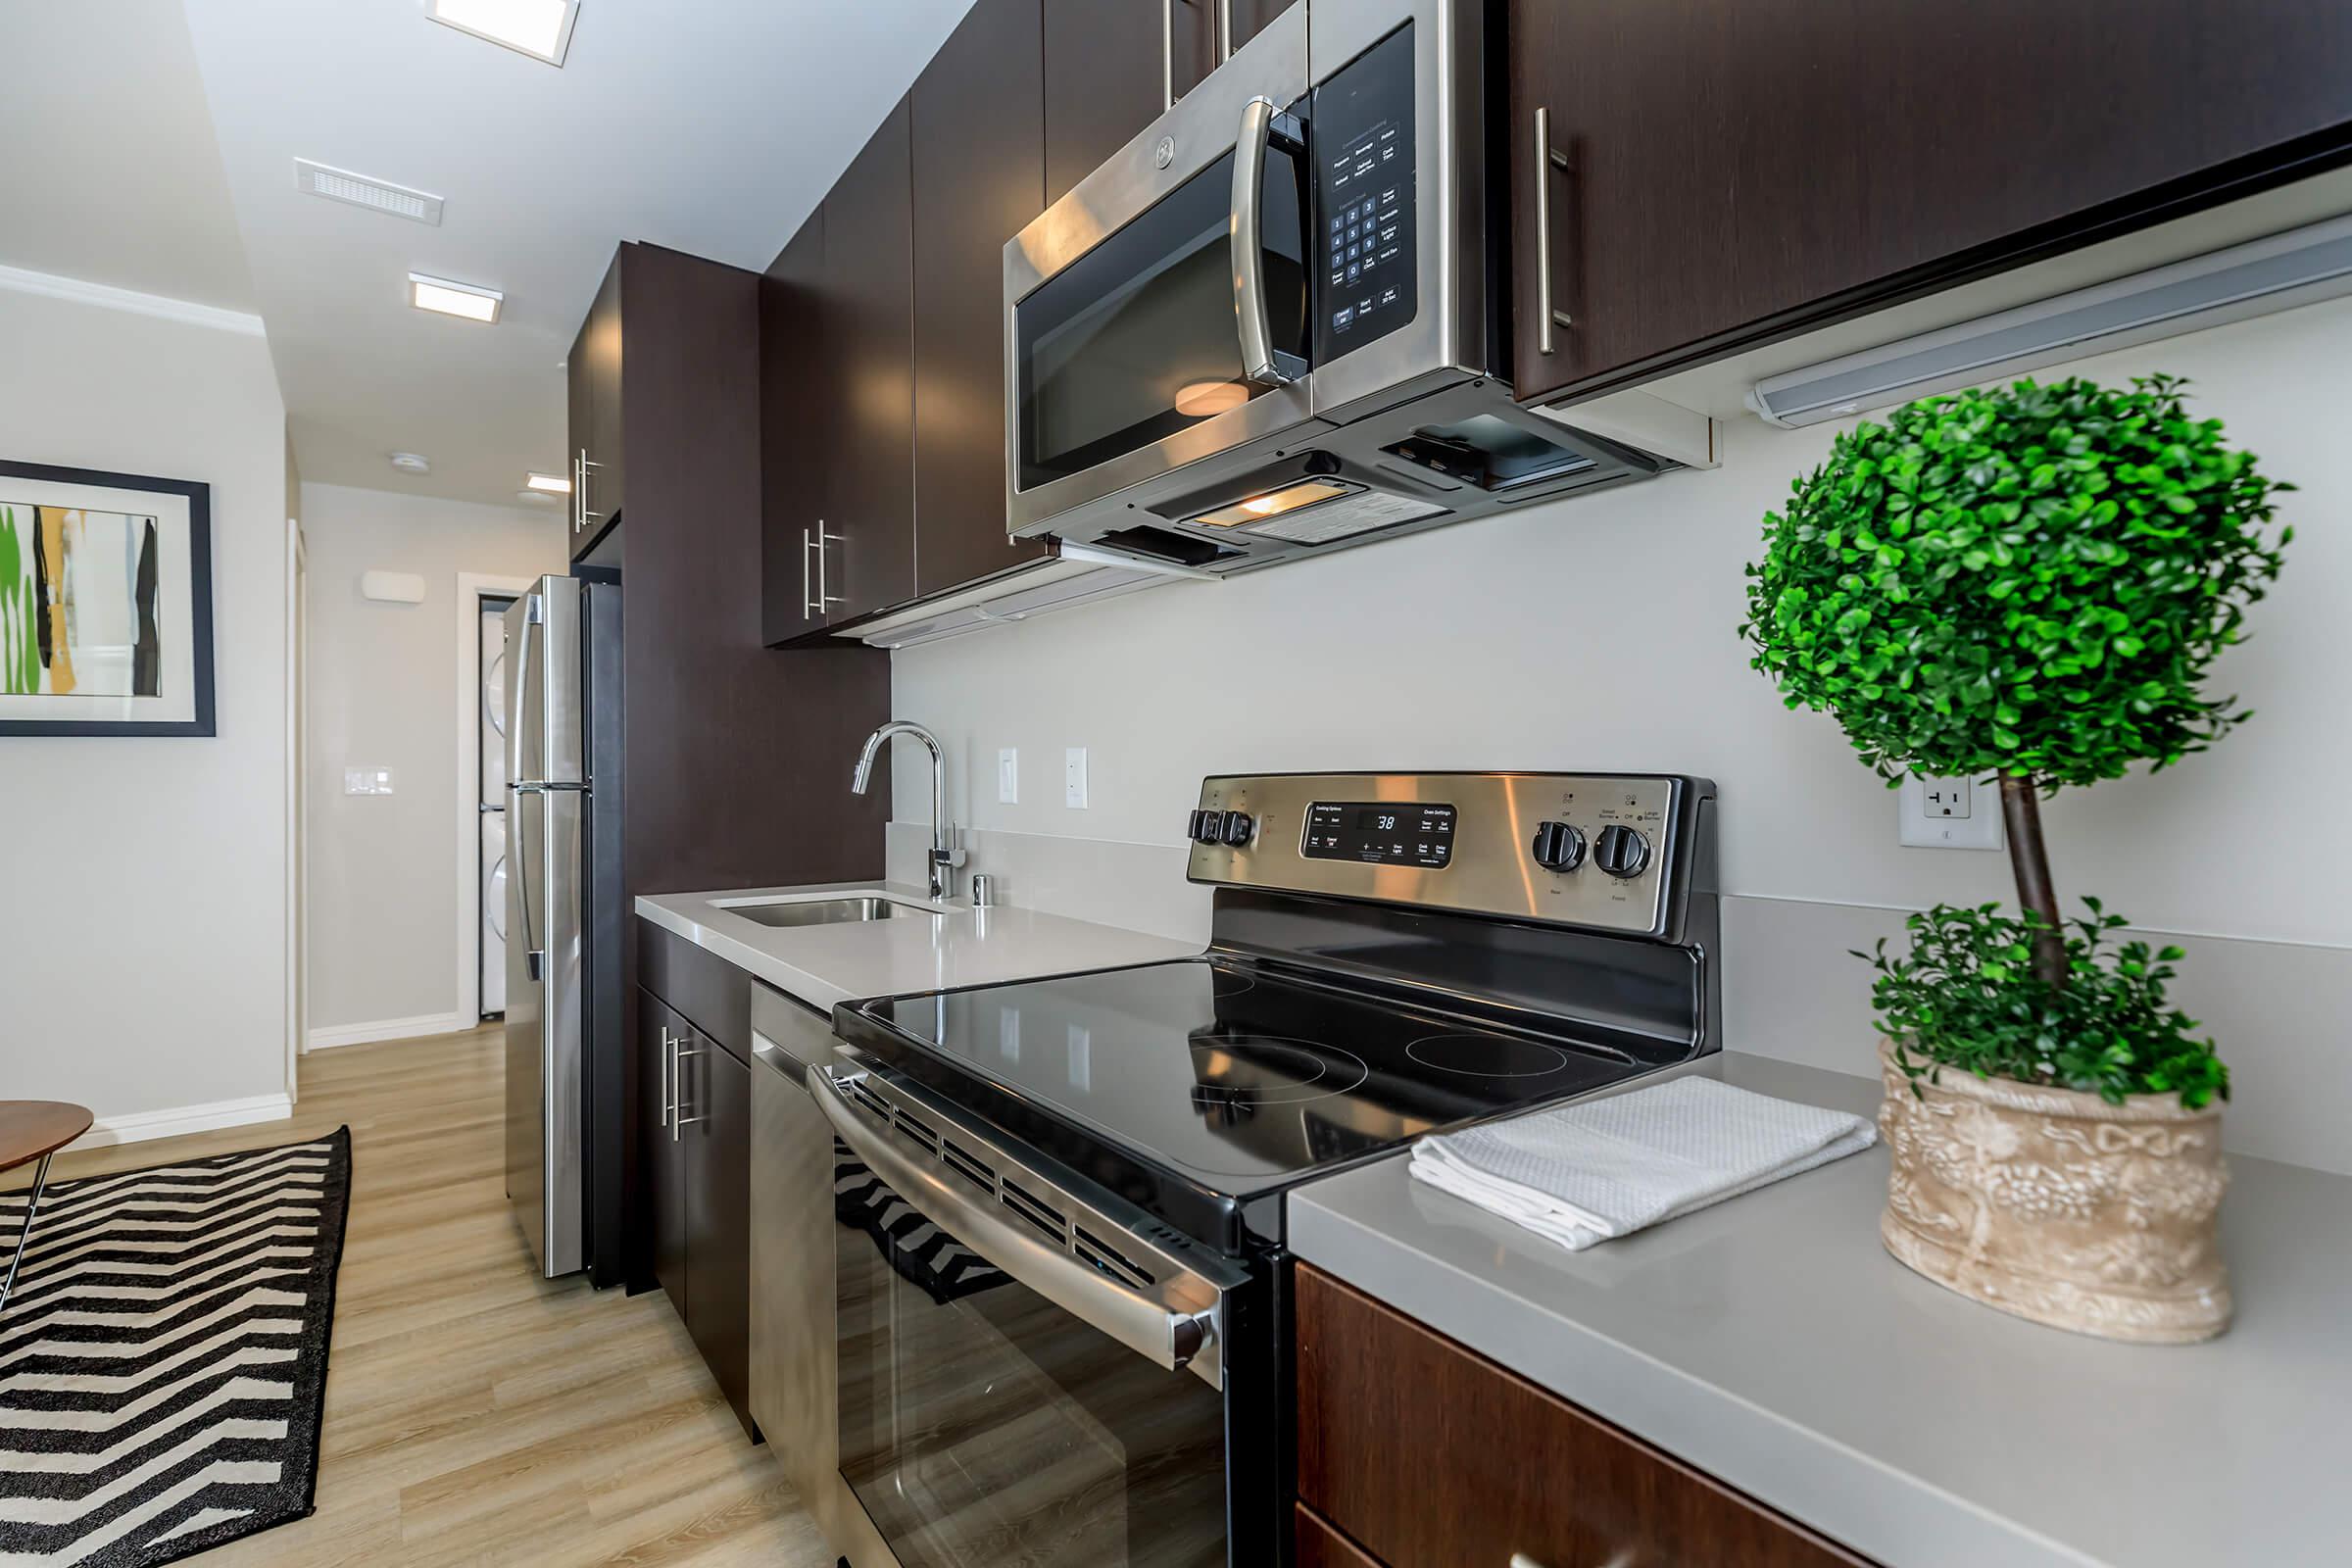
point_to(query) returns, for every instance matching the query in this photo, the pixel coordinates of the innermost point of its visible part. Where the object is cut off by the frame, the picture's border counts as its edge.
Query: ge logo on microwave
(1164, 154)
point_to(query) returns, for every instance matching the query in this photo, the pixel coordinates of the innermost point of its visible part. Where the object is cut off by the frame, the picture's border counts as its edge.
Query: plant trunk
(2020, 810)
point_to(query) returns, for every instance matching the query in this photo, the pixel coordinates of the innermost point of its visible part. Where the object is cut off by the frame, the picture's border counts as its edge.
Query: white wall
(1600, 634)
(144, 926)
(384, 900)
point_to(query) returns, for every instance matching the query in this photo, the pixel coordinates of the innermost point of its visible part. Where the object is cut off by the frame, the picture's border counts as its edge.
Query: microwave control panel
(1364, 188)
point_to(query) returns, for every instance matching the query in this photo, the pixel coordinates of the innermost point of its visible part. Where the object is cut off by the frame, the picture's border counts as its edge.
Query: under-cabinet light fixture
(2300, 266)
(555, 484)
(540, 28)
(453, 299)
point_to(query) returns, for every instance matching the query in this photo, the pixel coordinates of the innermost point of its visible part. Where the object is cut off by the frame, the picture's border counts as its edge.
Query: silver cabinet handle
(1547, 159)
(808, 607)
(825, 598)
(1167, 55)
(1166, 1338)
(1224, 29)
(669, 1094)
(1248, 247)
(679, 1121)
(579, 483)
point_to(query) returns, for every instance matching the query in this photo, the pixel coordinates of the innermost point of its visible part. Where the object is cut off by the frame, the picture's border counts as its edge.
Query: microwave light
(1197, 399)
(1273, 503)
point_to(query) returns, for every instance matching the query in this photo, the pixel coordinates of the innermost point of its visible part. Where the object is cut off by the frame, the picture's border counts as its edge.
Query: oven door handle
(1259, 364)
(1166, 1338)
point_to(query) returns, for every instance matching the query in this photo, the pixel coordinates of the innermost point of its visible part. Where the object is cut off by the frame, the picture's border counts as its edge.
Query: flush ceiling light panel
(376, 195)
(2300, 266)
(540, 28)
(453, 299)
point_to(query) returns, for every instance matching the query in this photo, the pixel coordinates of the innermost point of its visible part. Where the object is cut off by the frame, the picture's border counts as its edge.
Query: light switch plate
(1073, 778)
(1949, 813)
(1008, 776)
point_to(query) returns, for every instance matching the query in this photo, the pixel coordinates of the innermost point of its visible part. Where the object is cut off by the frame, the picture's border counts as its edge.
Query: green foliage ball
(2032, 580)
(1964, 996)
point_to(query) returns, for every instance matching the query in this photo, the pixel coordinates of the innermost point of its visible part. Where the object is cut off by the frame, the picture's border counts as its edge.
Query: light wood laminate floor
(476, 1412)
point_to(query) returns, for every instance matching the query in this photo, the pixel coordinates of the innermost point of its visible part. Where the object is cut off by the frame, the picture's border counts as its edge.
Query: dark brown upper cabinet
(592, 384)
(1729, 174)
(979, 177)
(1109, 68)
(796, 397)
(1250, 16)
(865, 559)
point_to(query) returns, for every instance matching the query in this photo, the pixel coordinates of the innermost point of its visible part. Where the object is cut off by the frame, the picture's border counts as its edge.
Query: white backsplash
(1598, 634)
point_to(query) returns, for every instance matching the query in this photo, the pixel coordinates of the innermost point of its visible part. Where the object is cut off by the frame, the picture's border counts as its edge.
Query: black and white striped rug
(164, 1357)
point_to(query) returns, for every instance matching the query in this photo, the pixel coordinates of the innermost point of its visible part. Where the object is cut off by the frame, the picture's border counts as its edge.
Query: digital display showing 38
(1379, 832)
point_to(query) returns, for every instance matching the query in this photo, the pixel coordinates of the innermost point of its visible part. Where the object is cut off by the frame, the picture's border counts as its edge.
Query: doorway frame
(472, 588)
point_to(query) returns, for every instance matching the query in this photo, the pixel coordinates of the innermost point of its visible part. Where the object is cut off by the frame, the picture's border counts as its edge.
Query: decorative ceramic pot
(2057, 1206)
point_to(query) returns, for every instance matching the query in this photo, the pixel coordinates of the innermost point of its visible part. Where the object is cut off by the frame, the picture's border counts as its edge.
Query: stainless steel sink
(823, 912)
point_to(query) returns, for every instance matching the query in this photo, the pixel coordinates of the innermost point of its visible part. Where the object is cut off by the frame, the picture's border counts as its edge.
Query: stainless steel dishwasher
(793, 1336)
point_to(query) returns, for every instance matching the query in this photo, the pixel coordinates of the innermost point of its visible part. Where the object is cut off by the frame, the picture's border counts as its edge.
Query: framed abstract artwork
(106, 603)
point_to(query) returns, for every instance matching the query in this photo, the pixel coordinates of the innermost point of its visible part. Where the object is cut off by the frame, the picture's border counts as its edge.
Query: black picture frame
(199, 496)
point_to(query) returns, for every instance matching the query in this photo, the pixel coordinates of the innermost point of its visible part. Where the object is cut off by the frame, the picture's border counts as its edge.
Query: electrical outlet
(1948, 813)
(1073, 778)
(1008, 776)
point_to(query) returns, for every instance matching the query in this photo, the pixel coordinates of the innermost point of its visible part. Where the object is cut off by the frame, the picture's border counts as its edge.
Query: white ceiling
(108, 171)
(710, 126)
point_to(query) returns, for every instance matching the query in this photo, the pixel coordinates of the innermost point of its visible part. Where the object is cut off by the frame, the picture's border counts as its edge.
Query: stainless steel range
(1062, 1286)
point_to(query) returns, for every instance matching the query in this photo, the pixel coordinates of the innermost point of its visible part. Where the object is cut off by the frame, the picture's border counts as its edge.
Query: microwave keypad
(1363, 126)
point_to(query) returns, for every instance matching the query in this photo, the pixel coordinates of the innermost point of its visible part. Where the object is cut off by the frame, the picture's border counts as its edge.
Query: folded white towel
(1586, 1172)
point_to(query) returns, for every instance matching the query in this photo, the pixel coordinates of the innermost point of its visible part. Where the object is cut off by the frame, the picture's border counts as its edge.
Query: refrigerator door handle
(534, 956)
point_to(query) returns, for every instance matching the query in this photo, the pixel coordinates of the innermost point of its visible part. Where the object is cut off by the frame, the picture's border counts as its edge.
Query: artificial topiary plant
(2030, 582)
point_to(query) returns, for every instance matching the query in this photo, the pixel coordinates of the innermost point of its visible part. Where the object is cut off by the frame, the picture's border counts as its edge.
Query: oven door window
(983, 1427)
(1136, 340)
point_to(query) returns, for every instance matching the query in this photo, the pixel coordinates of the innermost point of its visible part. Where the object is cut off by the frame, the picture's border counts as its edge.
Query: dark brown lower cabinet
(698, 1173)
(661, 1160)
(715, 1127)
(1415, 1452)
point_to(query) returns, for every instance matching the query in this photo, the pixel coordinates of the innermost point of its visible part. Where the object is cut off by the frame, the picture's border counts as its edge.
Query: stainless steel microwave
(1276, 322)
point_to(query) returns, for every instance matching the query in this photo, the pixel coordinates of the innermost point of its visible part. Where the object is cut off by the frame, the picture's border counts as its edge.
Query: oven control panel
(1363, 155)
(1613, 852)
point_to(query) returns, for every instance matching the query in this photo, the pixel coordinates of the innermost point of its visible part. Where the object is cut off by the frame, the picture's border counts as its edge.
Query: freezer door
(544, 1104)
(546, 686)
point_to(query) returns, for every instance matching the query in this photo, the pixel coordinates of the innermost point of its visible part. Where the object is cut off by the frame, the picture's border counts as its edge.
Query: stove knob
(1207, 827)
(1621, 850)
(1237, 829)
(1559, 846)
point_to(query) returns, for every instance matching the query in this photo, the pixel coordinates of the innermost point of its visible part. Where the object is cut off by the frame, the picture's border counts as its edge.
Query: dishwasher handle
(1166, 1338)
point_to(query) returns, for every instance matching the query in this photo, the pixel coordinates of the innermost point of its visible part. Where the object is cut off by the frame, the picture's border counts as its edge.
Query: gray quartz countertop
(946, 945)
(1771, 1341)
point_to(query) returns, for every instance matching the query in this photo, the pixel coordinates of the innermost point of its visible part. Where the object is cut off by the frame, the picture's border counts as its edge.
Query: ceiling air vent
(342, 186)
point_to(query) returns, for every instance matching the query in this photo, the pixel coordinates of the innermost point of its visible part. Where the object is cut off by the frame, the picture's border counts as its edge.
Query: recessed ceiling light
(555, 484)
(411, 462)
(453, 299)
(540, 28)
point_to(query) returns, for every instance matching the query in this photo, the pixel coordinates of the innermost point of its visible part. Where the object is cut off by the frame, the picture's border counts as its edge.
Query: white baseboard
(362, 1034)
(139, 1126)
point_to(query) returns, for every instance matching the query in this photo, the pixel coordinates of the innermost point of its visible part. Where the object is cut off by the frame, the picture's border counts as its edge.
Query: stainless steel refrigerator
(565, 1061)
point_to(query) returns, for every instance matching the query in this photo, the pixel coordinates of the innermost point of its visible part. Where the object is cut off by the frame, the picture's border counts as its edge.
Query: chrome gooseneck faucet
(945, 855)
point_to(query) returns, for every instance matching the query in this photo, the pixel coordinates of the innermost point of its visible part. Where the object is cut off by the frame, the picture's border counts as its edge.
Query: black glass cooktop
(1231, 1076)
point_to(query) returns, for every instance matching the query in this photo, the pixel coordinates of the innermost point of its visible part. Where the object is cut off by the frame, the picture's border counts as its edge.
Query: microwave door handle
(1258, 366)
(1168, 1340)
